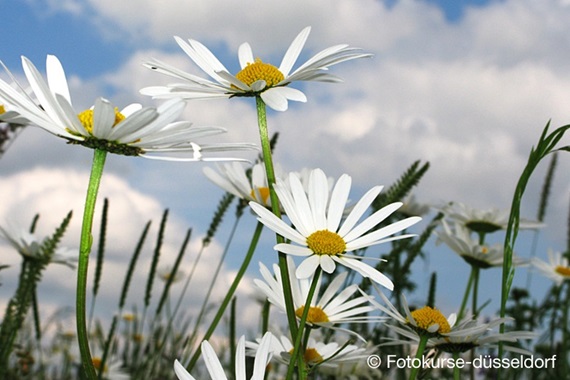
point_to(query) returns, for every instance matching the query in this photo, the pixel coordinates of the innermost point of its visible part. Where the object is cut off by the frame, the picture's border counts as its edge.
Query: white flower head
(318, 234)
(29, 245)
(460, 241)
(215, 369)
(256, 77)
(233, 178)
(484, 220)
(326, 355)
(134, 131)
(329, 308)
(557, 268)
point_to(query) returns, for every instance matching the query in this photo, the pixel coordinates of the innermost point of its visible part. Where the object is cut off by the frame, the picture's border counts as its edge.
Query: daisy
(471, 333)
(325, 355)
(484, 221)
(331, 308)
(216, 370)
(134, 131)
(111, 370)
(31, 247)
(319, 235)
(233, 178)
(479, 255)
(557, 269)
(256, 77)
(446, 334)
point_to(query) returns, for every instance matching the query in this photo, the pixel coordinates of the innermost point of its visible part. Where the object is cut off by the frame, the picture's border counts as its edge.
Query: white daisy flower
(215, 369)
(30, 246)
(233, 178)
(134, 131)
(480, 255)
(319, 235)
(446, 334)
(256, 78)
(484, 221)
(113, 369)
(423, 321)
(557, 268)
(325, 355)
(333, 307)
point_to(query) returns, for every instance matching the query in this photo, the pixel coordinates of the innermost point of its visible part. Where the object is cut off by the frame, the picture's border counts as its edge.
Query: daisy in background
(234, 178)
(557, 268)
(215, 369)
(482, 256)
(317, 353)
(333, 307)
(484, 221)
(318, 234)
(446, 334)
(134, 131)
(30, 246)
(256, 77)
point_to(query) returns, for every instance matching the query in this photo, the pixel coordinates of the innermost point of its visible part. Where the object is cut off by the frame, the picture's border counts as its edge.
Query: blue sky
(465, 85)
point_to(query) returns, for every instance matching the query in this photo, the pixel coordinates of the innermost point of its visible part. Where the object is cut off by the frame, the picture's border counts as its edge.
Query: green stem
(230, 293)
(268, 162)
(456, 368)
(84, 251)
(421, 348)
(466, 296)
(297, 344)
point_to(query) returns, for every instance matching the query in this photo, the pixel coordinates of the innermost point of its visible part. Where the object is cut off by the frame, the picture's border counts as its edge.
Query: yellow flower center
(484, 250)
(315, 314)
(564, 271)
(325, 242)
(312, 356)
(97, 364)
(263, 193)
(2, 109)
(86, 118)
(258, 70)
(427, 317)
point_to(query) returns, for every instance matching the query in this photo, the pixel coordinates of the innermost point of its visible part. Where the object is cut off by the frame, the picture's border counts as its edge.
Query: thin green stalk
(421, 348)
(230, 293)
(456, 369)
(546, 145)
(268, 162)
(97, 166)
(297, 345)
(466, 294)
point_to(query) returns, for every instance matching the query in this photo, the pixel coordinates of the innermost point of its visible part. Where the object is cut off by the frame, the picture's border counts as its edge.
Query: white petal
(240, 359)
(359, 209)
(293, 51)
(56, 77)
(308, 267)
(372, 221)
(181, 372)
(294, 250)
(245, 55)
(327, 263)
(274, 99)
(339, 197)
(366, 271)
(212, 362)
(103, 118)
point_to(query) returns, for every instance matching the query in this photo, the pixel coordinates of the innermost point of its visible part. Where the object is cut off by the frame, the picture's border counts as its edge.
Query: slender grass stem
(230, 293)
(97, 166)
